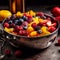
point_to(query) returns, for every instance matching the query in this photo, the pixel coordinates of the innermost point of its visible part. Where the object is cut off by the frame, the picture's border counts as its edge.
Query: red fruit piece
(12, 25)
(34, 25)
(56, 11)
(6, 24)
(25, 14)
(20, 28)
(54, 24)
(23, 32)
(7, 51)
(59, 41)
(51, 29)
(20, 32)
(25, 23)
(29, 19)
(17, 28)
(57, 18)
(40, 14)
(44, 23)
(18, 53)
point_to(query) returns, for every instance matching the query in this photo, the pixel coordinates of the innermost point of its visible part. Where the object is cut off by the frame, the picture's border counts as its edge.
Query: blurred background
(4, 4)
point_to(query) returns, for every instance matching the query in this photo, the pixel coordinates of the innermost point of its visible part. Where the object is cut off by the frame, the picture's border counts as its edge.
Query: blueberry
(25, 27)
(16, 21)
(21, 20)
(39, 31)
(25, 18)
(37, 28)
(10, 22)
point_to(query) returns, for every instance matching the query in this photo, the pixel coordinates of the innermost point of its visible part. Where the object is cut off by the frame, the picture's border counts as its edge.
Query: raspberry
(6, 24)
(7, 51)
(34, 25)
(17, 28)
(20, 32)
(20, 28)
(18, 53)
(25, 33)
(25, 23)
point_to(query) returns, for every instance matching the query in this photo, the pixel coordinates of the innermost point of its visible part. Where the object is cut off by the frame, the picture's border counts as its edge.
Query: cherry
(34, 25)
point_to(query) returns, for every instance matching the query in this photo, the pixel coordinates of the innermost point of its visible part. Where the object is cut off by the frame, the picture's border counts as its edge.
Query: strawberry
(51, 29)
(54, 24)
(49, 23)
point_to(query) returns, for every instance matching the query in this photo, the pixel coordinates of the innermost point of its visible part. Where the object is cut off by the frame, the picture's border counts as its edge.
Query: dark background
(33, 2)
(42, 2)
(30, 4)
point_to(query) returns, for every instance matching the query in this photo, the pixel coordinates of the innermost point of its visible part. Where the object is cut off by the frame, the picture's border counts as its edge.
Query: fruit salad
(30, 24)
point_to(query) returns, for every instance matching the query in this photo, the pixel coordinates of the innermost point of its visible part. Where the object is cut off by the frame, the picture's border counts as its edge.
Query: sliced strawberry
(49, 23)
(54, 24)
(51, 29)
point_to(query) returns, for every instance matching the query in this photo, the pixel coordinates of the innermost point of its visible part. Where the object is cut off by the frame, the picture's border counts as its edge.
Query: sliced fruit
(34, 33)
(51, 29)
(30, 29)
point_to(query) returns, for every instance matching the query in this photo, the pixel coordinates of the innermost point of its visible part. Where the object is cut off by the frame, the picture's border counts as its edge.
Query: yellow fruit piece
(6, 29)
(27, 13)
(42, 34)
(4, 14)
(30, 29)
(29, 25)
(34, 33)
(19, 14)
(32, 13)
(40, 20)
(14, 33)
(9, 29)
(44, 30)
(35, 20)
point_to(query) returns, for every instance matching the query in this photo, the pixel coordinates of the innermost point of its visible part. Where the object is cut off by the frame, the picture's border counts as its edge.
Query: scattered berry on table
(18, 53)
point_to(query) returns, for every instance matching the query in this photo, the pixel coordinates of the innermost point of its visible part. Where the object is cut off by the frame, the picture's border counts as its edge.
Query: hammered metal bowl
(34, 42)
